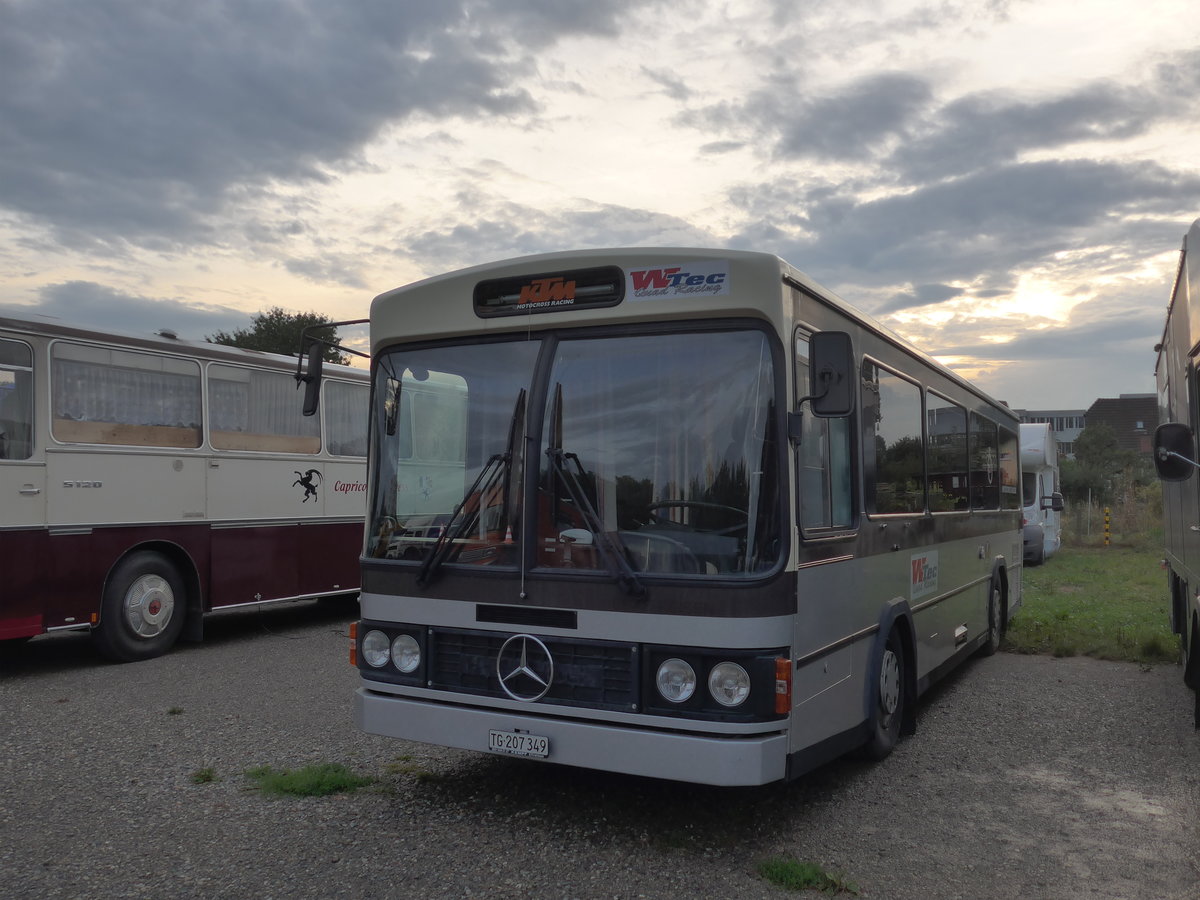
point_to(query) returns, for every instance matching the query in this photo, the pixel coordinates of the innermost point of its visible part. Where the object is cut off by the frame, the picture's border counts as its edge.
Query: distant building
(1132, 417)
(1066, 423)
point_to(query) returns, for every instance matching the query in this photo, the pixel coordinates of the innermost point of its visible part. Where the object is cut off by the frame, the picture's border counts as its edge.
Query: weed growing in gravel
(404, 765)
(803, 876)
(175, 711)
(206, 775)
(311, 781)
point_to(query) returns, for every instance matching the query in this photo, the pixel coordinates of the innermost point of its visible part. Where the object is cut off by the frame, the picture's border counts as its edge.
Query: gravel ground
(1028, 777)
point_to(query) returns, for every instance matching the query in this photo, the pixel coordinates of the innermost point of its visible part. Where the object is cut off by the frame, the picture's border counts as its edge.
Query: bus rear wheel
(143, 608)
(995, 614)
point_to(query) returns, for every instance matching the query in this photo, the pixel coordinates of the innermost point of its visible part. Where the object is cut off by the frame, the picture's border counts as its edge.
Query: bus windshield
(649, 454)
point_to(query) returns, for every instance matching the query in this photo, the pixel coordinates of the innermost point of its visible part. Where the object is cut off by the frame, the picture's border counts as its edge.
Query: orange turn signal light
(783, 686)
(354, 644)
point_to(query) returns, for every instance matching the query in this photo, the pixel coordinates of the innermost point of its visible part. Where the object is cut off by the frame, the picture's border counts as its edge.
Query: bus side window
(893, 447)
(16, 406)
(823, 458)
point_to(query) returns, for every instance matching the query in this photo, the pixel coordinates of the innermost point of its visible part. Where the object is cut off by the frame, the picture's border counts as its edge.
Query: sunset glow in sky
(1005, 183)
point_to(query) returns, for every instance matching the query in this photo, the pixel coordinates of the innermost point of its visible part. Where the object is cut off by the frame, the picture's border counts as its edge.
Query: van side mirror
(312, 377)
(1054, 502)
(831, 374)
(1174, 452)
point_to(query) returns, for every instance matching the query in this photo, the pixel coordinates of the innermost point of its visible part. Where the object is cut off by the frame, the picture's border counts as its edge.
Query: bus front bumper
(699, 759)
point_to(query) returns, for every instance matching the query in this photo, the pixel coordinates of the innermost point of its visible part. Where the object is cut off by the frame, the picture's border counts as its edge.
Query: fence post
(1107, 528)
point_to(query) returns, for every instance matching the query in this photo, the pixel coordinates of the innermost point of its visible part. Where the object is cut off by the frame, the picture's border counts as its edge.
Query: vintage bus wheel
(995, 631)
(888, 709)
(143, 609)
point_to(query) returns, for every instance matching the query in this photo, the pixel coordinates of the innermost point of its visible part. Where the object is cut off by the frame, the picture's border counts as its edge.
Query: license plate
(516, 743)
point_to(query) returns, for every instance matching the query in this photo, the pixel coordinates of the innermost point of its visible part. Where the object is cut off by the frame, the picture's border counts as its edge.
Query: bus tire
(143, 609)
(995, 632)
(887, 709)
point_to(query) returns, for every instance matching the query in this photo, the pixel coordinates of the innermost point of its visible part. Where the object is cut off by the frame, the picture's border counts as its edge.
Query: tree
(278, 331)
(1101, 469)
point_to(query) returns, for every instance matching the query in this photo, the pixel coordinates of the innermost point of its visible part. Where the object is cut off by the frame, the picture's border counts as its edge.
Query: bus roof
(762, 272)
(163, 340)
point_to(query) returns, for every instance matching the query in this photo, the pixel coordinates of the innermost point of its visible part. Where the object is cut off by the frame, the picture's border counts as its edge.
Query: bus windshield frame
(611, 470)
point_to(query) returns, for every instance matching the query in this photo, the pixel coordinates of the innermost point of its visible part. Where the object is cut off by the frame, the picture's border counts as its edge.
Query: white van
(1040, 495)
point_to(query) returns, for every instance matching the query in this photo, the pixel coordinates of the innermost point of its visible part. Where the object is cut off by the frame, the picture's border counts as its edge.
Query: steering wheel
(700, 505)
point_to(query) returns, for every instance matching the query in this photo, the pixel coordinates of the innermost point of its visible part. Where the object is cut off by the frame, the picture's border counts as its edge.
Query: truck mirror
(1174, 452)
(830, 369)
(1054, 502)
(312, 378)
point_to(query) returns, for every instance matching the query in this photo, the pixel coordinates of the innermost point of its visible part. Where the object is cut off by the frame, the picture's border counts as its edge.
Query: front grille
(591, 674)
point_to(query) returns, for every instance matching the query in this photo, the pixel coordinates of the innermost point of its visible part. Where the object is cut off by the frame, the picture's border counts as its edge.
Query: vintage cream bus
(145, 480)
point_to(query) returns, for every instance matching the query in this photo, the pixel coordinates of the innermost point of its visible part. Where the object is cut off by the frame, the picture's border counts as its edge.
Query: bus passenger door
(23, 532)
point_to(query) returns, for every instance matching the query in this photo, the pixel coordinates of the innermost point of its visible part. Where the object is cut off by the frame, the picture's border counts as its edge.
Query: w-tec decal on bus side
(707, 277)
(924, 574)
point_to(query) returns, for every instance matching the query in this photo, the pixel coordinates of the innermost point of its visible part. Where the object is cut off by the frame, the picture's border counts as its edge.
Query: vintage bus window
(671, 441)
(346, 418)
(16, 400)
(107, 396)
(444, 425)
(1010, 494)
(985, 463)
(946, 426)
(253, 409)
(893, 452)
(823, 460)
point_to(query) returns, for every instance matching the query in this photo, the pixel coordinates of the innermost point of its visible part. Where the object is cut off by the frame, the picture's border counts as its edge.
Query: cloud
(500, 229)
(92, 305)
(980, 226)
(130, 122)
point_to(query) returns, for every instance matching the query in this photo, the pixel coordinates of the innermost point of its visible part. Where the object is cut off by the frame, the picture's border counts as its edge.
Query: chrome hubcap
(149, 605)
(889, 684)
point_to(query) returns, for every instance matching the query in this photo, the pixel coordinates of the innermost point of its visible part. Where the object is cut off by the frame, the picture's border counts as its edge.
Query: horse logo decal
(306, 481)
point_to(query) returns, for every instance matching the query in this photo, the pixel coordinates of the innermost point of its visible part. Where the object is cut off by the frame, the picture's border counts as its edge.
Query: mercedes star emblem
(525, 668)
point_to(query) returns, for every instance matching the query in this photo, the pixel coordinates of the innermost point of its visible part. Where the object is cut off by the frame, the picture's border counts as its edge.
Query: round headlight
(676, 680)
(406, 653)
(375, 648)
(729, 684)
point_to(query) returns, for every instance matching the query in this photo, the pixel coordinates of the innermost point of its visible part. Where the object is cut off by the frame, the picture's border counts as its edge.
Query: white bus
(1175, 455)
(146, 480)
(663, 556)
(1040, 492)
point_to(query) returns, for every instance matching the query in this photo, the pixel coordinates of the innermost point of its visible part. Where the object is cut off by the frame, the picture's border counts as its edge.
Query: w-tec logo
(543, 290)
(924, 574)
(700, 278)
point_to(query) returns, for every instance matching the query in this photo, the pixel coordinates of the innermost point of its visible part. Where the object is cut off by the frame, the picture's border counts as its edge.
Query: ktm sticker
(703, 278)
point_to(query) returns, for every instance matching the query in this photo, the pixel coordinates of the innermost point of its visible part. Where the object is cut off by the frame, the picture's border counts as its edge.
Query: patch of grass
(404, 765)
(312, 781)
(175, 711)
(206, 775)
(1105, 602)
(795, 875)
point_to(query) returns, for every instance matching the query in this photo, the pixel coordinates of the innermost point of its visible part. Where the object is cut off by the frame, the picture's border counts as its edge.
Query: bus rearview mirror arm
(310, 361)
(830, 366)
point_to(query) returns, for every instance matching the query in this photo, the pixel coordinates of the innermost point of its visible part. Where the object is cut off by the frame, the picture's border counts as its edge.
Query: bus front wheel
(888, 708)
(142, 612)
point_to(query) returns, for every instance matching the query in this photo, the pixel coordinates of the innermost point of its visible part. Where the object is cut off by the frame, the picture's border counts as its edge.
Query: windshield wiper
(466, 513)
(572, 480)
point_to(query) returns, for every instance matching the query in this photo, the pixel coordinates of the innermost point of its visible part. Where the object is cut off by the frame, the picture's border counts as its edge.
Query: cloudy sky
(1004, 182)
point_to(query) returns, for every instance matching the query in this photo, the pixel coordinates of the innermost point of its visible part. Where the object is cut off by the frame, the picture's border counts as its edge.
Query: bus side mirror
(312, 378)
(830, 374)
(1174, 452)
(1055, 503)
